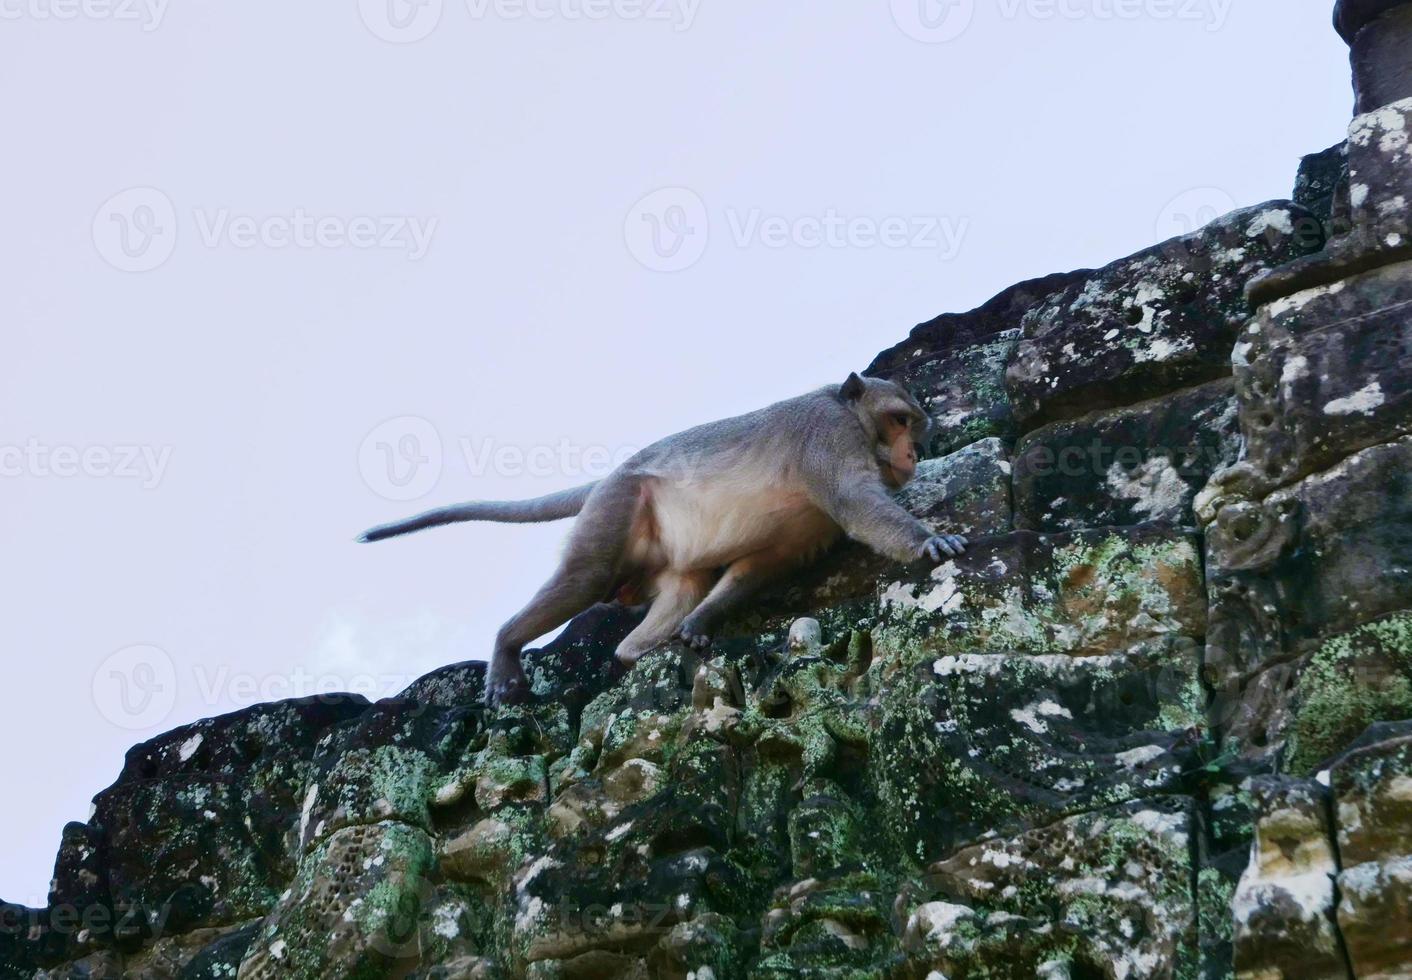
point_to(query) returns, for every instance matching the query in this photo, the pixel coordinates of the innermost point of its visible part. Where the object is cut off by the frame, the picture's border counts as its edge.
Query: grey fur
(552, 507)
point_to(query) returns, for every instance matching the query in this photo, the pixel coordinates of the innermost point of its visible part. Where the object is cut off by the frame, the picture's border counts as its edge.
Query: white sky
(254, 376)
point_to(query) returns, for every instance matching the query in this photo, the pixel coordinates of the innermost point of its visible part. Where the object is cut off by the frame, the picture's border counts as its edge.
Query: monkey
(698, 522)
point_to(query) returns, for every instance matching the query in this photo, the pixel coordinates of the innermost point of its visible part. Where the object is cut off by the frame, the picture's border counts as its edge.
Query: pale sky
(275, 272)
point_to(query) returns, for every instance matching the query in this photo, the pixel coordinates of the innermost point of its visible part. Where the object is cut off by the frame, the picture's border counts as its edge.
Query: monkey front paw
(944, 546)
(694, 636)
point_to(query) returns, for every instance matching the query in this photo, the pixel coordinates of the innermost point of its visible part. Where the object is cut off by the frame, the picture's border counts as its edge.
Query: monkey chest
(712, 523)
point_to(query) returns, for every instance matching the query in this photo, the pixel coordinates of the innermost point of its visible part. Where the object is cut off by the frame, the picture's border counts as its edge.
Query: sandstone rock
(955, 364)
(1153, 323)
(1285, 902)
(20, 942)
(966, 492)
(386, 765)
(353, 911)
(1322, 187)
(1380, 173)
(179, 856)
(1085, 593)
(1123, 904)
(1129, 466)
(104, 965)
(221, 958)
(191, 956)
(1351, 16)
(1380, 34)
(969, 745)
(1324, 373)
(1315, 559)
(1373, 790)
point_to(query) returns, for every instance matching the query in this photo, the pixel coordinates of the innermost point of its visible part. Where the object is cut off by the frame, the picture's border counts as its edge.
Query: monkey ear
(852, 389)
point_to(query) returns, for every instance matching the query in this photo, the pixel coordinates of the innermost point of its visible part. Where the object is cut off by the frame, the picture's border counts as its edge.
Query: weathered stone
(974, 744)
(179, 855)
(189, 956)
(1129, 466)
(567, 670)
(1223, 851)
(1284, 906)
(967, 492)
(352, 912)
(963, 391)
(835, 927)
(1253, 713)
(1324, 373)
(1322, 187)
(1351, 16)
(19, 941)
(1161, 320)
(103, 965)
(1380, 173)
(1314, 559)
(78, 894)
(1373, 792)
(386, 765)
(1102, 894)
(955, 364)
(1085, 593)
(221, 958)
(1382, 70)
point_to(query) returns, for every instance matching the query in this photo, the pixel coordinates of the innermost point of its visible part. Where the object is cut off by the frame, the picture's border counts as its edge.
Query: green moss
(1351, 681)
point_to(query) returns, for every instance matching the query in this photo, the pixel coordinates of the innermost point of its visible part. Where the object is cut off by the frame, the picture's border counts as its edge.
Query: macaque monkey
(699, 521)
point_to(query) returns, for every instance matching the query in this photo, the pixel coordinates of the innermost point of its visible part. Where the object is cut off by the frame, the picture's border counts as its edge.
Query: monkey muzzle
(899, 462)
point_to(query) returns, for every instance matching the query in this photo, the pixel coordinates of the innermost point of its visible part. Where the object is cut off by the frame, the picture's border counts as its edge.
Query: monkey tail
(554, 507)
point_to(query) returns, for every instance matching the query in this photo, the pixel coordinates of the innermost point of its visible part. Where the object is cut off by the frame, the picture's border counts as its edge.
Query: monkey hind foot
(694, 636)
(507, 687)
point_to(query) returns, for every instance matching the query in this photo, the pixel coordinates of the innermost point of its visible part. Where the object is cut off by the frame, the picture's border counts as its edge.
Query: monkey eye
(903, 420)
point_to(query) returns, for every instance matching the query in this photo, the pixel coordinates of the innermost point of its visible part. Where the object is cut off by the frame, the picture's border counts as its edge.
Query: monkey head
(893, 420)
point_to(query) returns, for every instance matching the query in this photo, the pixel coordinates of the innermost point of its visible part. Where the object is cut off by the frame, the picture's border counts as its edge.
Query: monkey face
(896, 421)
(898, 448)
